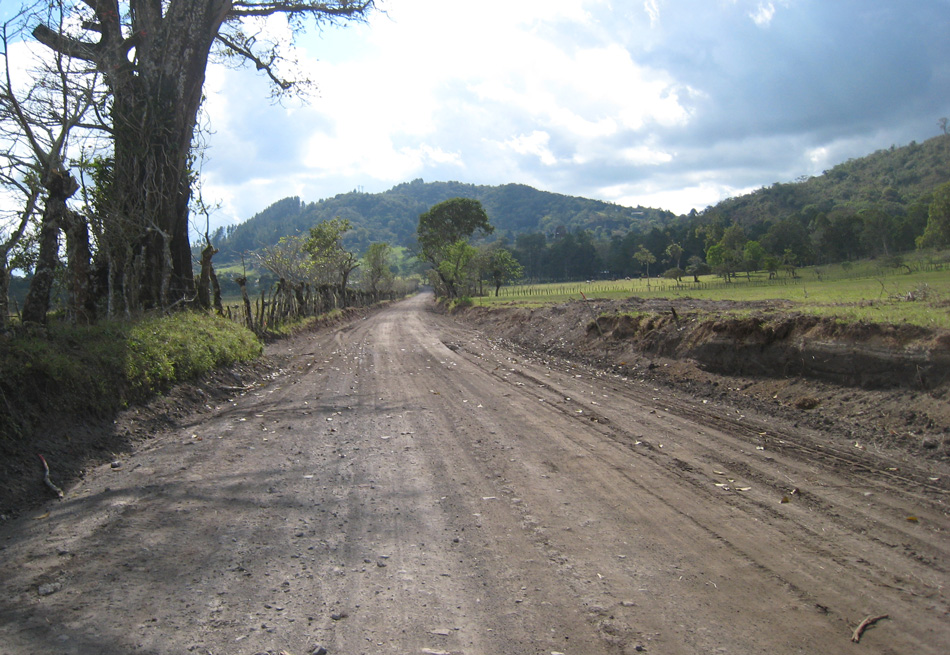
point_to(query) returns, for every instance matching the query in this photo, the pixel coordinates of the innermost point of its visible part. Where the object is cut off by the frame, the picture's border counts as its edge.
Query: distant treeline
(875, 206)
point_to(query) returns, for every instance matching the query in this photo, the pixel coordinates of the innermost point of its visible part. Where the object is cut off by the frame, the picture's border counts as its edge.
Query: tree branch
(328, 10)
(258, 62)
(66, 45)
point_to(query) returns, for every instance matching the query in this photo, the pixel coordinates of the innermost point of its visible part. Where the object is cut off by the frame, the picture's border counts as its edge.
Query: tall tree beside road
(153, 57)
(377, 273)
(331, 260)
(444, 226)
(503, 268)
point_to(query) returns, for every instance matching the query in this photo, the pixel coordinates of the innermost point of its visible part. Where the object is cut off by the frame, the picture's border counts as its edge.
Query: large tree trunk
(156, 97)
(81, 304)
(60, 186)
(153, 55)
(204, 281)
(4, 291)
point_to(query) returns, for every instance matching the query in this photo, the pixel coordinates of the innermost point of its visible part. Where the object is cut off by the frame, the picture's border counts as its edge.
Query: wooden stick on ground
(856, 637)
(49, 483)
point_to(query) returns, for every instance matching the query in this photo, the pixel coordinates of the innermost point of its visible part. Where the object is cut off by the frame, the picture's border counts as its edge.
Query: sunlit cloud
(763, 14)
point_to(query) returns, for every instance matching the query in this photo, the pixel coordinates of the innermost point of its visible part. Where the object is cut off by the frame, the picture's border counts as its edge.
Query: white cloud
(763, 14)
(535, 144)
(645, 156)
(653, 11)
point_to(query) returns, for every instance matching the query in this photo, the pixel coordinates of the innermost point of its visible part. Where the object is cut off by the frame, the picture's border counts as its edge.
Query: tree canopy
(443, 235)
(937, 232)
(448, 222)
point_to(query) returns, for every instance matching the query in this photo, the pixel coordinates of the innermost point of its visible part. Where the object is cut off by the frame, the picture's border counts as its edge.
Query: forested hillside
(891, 179)
(392, 216)
(874, 206)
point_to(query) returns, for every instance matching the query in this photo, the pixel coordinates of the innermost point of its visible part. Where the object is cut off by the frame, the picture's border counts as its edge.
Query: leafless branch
(266, 66)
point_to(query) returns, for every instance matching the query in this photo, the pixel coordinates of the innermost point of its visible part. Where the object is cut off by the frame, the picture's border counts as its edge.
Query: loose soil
(513, 482)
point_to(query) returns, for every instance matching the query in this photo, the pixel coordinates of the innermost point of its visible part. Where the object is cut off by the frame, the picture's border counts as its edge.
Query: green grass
(99, 369)
(864, 291)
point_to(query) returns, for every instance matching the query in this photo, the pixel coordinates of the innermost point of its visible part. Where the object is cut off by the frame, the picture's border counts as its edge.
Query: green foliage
(645, 258)
(753, 255)
(937, 232)
(461, 303)
(503, 268)
(97, 370)
(289, 259)
(447, 223)
(166, 350)
(378, 275)
(458, 270)
(674, 273)
(443, 235)
(330, 257)
(911, 171)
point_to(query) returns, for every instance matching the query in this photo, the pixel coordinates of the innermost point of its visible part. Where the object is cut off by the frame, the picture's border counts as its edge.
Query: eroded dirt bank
(878, 386)
(407, 484)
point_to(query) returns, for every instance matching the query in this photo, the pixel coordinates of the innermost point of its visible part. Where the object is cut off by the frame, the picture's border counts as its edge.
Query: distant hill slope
(392, 216)
(895, 176)
(893, 180)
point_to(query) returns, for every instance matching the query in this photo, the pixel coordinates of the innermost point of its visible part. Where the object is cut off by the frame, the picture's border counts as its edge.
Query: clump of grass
(460, 303)
(163, 351)
(97, 370)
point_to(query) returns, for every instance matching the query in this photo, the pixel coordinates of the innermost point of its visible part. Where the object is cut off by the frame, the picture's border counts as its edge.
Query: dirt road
(409, 486)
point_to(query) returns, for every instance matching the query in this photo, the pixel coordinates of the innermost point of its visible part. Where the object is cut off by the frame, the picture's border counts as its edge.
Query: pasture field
(917, 294)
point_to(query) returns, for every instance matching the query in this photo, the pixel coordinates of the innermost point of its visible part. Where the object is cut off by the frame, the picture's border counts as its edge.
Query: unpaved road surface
(409, 486)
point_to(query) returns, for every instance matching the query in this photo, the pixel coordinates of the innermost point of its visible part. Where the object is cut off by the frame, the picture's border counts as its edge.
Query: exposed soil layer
(881, 386)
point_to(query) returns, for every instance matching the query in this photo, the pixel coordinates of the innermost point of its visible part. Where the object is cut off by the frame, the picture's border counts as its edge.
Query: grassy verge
(860, 292)
(98, 370)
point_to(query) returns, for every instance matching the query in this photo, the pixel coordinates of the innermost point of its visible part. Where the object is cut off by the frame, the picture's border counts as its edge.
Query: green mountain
(392, 216)
(892, 180)
(861, 207)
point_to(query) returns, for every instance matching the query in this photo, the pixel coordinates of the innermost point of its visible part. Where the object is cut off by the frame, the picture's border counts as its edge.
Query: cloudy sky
(663, 103)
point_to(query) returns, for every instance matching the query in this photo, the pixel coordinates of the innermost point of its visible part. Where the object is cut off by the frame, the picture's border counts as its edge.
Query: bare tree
(38, 123)
(153, 57)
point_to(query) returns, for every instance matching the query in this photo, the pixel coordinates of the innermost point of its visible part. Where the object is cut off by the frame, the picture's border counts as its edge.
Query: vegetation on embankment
(95, 371)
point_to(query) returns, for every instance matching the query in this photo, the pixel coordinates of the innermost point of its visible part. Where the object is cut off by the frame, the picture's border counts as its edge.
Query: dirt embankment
(869, 356)
(72, 443)
(884, 384)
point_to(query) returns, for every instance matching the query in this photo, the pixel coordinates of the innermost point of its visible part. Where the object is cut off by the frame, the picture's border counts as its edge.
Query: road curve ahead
(409, 486)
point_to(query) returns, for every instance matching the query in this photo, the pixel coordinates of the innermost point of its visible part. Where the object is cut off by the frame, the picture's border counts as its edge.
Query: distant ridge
(896, 181)
(392, 215)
